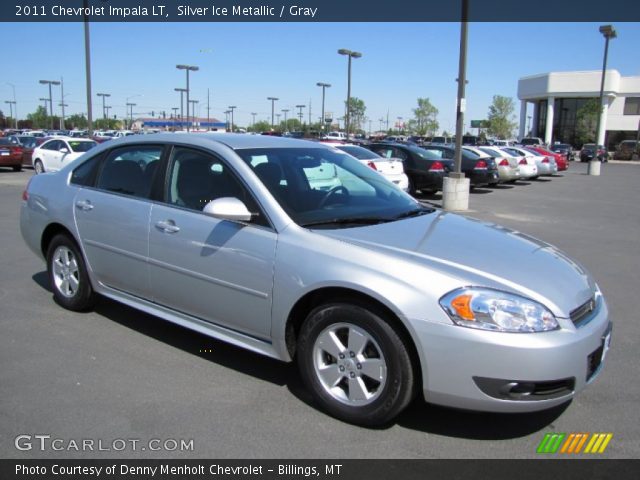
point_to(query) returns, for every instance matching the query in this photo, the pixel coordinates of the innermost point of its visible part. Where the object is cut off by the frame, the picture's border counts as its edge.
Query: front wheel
(355, 364)
(38, 166)
(68, 274)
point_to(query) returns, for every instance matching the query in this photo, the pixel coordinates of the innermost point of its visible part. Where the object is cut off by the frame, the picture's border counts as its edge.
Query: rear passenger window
(130, 170)
(85, 173)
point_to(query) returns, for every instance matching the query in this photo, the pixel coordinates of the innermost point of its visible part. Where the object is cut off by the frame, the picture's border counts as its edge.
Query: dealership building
(212, 124)
(556, 98)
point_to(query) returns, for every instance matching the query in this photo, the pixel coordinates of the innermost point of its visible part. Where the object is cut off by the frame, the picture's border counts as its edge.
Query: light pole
(273, 100)
(608, 32)
(285, 111)
(188, 68)
(300, 107)
(455, 190)
(400, 125)
(181, 90)
(350, 54)
(45, 101)
(131, 105)
(193, 111)
(278, 117)
(87, 66)
(104, 111)
(226, 119)
(232, 108)
(50, 82)
(324, 86)
(15, 104)
(11, 104)
(253, 122)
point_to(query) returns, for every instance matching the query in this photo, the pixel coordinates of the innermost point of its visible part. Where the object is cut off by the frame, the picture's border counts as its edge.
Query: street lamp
(104, 111)
(350, 55)
(15, 104)
(300, 107)
(273, 100)
(285, 111)
(231, 109)
(193, 111)
(188, 68)
(50, 82)
(131, 105)
(181, 90)
(324, 86)
(11, 104)
(608, 32)
(253, 122)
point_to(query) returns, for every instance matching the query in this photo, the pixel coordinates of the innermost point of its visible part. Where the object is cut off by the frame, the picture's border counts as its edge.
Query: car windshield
(29, 142)
(5, 141)
(326, 188)
(78, 146)
(359, 152)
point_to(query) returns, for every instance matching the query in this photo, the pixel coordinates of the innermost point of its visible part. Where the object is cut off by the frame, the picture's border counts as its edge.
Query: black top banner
(318, 11)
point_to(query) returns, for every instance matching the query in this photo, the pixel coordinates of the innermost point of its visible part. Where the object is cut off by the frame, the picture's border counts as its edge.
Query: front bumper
(455, 358)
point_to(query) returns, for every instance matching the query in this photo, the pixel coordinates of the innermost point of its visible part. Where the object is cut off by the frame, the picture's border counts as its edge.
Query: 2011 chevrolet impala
(376, 296)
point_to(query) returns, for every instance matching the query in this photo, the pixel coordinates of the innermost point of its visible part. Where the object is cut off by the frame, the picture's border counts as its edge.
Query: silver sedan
(375, 296)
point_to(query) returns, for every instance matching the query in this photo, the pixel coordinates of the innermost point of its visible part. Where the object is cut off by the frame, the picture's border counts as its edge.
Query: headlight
(489, 309)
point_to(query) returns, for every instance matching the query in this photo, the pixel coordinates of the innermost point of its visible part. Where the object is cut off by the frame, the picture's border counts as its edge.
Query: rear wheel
(355, 364)
(38, 166)
(68, 274)
(411, 189)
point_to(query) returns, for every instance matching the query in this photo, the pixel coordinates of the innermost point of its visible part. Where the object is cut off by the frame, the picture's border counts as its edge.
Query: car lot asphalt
(116, 373)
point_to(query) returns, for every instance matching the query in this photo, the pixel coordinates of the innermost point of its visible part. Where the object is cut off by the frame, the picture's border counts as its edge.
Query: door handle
(84, 205)
(167, 226)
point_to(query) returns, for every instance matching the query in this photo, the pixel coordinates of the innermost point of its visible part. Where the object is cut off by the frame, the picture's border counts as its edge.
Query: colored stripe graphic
(573, 443)
(551, 442)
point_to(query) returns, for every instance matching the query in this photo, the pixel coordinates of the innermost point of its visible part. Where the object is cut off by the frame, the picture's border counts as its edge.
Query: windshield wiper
(349, 221)
(414, 213)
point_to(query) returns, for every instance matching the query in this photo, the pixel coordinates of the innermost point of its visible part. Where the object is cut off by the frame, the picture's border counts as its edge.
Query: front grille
(584, 312)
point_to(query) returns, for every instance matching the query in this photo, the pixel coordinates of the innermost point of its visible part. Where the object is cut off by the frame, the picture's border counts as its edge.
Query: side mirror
(64, 150)
(228, 208)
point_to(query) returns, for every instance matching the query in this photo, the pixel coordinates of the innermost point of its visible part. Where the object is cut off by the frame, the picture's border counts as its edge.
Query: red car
(561, 160)
(10, 154)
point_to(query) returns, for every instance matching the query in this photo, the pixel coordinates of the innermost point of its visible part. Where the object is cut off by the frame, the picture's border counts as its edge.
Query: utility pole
(62, 104)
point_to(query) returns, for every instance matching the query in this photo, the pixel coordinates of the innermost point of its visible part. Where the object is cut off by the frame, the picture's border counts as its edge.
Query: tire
(17, 168)
(368, 378)
(68, 275)
(38, 167)
(411, 189)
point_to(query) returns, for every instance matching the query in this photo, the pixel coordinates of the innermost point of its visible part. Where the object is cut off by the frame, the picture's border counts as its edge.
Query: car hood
(481, 254)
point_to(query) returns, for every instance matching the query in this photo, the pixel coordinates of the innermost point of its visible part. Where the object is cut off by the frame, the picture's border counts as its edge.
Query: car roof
(235, 141)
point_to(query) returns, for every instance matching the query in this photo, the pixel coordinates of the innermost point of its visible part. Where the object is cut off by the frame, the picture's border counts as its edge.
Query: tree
(501, 119)
(586, 122)
(39, 118)
(356, 113)
(261, 126)
(425, 118)
(76, 121)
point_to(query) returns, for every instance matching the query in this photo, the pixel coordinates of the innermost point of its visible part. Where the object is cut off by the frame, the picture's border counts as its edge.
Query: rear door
(113, 218)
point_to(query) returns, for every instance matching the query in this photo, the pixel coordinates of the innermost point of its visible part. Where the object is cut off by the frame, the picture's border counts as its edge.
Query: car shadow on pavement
(451, 422)
(480, 191)
(42, 279)
(502, 186)
(541, 180)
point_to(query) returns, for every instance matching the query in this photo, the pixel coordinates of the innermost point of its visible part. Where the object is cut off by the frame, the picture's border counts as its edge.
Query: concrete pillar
(455, 194)
(534, 120)
(523, 119)
(548, 131)
(606, 99)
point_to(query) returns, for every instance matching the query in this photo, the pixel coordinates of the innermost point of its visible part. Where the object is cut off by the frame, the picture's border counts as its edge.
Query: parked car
(425, 170)
(439, 140)
(545, 165)
(627, 149)
(390, 168)
(335, 136)
(590, 152)
(480, 171)
(560, 159)
(10, 154)
(531, 141)
(508, 168)
(563, 149)
(374, 295)
(28, 143)
(55, 153)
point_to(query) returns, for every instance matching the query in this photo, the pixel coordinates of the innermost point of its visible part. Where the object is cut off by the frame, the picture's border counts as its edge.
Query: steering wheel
(331, 193)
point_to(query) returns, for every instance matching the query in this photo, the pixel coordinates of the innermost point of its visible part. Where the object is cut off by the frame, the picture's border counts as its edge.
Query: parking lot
(117, 373)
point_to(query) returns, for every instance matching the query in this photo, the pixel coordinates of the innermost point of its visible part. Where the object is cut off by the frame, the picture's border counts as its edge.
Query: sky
(244, 63)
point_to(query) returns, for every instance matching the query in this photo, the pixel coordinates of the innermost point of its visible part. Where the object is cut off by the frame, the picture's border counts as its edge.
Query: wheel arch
(50, 232)
(325, 295)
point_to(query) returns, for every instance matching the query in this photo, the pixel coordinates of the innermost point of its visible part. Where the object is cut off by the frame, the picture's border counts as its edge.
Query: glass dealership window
(632, 106)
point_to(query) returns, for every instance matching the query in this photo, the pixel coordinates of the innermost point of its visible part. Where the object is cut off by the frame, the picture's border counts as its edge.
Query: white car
(336, 136)
(508, 168)
(123, 133)
(390, 168)
(526, 162)
(546, 164)
(56, 153)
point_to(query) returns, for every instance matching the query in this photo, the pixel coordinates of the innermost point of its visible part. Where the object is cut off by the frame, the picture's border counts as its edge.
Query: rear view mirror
(227, 208)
